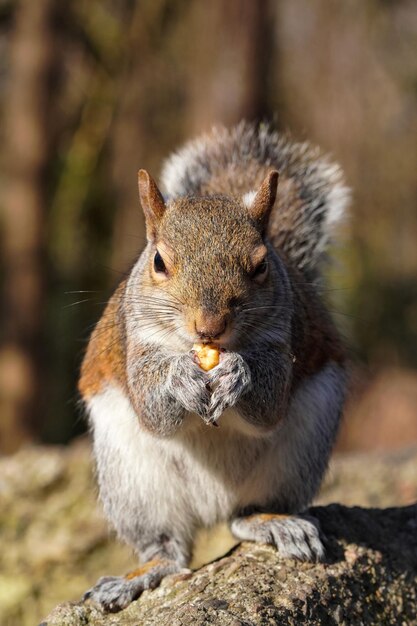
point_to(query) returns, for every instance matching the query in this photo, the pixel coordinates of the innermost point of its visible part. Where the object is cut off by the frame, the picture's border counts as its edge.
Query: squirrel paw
(229, 380)
(295, 536)
(114, 593)
(187, 383)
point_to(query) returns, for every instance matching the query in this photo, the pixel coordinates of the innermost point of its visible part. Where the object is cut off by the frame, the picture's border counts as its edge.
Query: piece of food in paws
(207, 355)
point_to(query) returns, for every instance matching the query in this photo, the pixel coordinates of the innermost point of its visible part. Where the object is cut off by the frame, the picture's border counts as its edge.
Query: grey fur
(113, 593)
(162, 471)
(229, 380)
(295, 536)
(319, 181)
(189, 385)
(157, 491)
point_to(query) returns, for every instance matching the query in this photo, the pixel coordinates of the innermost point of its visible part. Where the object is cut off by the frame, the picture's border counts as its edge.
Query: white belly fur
(200, 473)
(203, 474)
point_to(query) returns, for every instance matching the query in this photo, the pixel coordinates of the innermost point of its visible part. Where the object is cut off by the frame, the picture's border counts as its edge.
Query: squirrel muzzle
(210, 326)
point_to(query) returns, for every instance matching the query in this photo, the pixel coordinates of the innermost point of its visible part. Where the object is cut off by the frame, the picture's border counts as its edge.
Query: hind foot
(295, 536)
(113, 593)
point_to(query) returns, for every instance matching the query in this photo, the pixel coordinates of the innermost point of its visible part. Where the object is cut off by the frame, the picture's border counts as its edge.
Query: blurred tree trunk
(209, 60)
(148, 120)
(33, 58)
(228, 72)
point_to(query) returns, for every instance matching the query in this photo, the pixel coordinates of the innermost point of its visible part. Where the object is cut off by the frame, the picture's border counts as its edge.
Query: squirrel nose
(210, 326)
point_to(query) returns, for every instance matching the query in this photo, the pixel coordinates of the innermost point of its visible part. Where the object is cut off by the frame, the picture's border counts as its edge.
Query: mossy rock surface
(55, 544)
(370, 577)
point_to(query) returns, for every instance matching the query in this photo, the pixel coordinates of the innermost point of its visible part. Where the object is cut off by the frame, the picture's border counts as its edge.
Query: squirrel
(233, 261)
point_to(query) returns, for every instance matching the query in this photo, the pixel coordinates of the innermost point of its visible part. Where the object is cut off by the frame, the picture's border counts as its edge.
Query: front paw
(228, 381)
(188, 384)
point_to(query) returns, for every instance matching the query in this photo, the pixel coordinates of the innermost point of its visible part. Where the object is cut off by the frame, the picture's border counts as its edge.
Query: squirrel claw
(209, 421)
(114, 593)
(295, 536)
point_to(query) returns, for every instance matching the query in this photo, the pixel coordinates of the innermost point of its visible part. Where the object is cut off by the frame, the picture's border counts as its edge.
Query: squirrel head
(209, 274)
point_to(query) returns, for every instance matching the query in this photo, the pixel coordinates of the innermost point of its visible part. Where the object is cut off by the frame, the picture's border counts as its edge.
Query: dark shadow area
(373, 529)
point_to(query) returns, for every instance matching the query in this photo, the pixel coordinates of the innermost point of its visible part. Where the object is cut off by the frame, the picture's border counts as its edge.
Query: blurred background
(92, 91)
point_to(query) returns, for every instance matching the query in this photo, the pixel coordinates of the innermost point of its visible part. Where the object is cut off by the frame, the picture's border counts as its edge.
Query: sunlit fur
(277, 393)
(203, 476)
(213, 273)
(312, 196)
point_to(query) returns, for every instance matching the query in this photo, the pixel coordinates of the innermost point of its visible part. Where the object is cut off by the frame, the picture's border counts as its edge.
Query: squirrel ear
(264, 200)
(152, 203)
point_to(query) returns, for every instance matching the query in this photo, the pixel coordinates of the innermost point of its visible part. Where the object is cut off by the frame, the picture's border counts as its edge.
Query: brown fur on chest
(105, 360)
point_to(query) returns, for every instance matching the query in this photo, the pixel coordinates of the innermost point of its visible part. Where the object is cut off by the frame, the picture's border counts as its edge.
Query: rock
(55, 542)
(381, 413)
(369, 577)
(372, 479)
(54, 539)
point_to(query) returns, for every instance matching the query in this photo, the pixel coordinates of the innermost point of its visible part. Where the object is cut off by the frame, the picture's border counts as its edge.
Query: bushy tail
(312, 197)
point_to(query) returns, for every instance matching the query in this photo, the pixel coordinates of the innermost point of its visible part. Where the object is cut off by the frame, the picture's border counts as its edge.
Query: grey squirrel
(234, 262)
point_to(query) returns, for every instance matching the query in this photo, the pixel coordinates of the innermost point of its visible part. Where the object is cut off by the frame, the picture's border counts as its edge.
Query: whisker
(350, 315)
(80, 291)
(67, 306)
(259, 308)
(148, 306)
(107, 348)
(158, 330)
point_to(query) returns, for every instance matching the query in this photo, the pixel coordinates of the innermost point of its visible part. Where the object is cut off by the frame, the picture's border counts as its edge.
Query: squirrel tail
(312, 197)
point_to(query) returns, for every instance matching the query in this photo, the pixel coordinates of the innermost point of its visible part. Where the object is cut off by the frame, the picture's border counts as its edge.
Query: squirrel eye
(158, 263)
(260, 270)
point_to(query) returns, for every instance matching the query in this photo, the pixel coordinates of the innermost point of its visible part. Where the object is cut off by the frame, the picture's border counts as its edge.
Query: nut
(207, 355)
